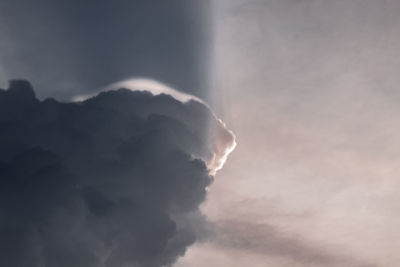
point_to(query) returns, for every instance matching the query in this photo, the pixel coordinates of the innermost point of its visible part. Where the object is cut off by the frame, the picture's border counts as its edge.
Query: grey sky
(67, 47)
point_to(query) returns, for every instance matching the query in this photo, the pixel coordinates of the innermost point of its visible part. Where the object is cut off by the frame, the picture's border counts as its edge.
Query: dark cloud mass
(113, 181)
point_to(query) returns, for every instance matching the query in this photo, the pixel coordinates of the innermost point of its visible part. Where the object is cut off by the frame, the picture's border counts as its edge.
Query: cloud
(267, 239)
(115, 180)
(221, 140)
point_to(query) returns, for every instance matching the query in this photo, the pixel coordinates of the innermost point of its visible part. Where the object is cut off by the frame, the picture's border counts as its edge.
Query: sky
(308, 88)
(67, 47)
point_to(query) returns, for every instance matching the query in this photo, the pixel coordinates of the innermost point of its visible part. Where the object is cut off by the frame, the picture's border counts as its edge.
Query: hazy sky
(69, 47)
(310, 89)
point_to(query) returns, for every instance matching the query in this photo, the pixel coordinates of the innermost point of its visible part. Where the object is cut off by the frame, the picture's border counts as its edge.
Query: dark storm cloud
(69, 47)
(113, 181)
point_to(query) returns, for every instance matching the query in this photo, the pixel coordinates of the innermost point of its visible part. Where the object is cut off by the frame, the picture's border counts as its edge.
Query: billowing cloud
(115, 180)
(220, 141)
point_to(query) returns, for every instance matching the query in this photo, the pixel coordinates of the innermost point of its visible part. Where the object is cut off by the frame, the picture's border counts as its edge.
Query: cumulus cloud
(220, 141)
(115, 180)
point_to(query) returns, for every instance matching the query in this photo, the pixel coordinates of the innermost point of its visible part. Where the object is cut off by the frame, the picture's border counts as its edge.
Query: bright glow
(143, 84)
(218, 160)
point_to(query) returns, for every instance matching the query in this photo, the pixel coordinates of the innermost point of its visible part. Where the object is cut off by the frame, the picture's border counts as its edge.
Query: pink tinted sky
(310, 89)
